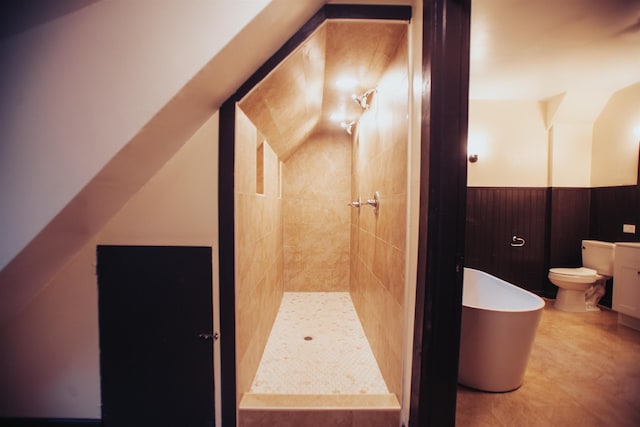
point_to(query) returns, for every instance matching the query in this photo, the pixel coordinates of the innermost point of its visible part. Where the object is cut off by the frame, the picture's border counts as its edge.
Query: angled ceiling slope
(30, 271)
(310, 91)
(539, 49)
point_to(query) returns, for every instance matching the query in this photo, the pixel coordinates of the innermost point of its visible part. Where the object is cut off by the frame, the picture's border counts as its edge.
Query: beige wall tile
(245, 156)
(319, 418)
(380, 164)
(293, 211)
(390, 418)
(297, 418)
(391, 225)
(316, 191)
(310, 240)
(259, 252)
(271, 171)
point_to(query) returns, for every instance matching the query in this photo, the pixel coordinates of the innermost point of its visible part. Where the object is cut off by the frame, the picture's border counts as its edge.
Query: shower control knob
(375, 202)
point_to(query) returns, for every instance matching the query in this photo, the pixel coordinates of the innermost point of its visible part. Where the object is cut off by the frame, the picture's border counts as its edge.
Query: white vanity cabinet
(626, 284)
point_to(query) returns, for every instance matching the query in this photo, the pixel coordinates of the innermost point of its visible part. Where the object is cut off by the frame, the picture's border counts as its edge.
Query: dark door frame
(443, 189)
(442, 203)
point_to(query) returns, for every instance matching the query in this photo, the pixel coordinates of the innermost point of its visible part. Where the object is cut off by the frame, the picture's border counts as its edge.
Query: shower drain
(308, 338)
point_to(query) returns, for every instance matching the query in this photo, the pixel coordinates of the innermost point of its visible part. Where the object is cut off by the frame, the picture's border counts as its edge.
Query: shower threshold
(317, 358)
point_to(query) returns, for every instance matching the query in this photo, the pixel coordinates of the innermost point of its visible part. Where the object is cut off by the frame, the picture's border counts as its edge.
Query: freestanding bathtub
(499, 324)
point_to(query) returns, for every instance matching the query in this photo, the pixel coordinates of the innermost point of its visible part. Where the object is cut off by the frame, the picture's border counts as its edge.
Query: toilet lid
(579, 272)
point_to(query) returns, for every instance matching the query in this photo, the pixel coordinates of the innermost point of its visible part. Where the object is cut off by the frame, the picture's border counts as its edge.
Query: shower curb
(260, 401)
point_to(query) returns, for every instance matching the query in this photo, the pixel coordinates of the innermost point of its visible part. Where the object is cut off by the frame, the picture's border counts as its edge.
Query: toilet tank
(598, 256)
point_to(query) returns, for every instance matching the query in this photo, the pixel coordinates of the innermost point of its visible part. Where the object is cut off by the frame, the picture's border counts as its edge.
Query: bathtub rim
(540, 302)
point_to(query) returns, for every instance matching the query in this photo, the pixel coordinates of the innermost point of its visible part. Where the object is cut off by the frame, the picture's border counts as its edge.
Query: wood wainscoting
(553, 221)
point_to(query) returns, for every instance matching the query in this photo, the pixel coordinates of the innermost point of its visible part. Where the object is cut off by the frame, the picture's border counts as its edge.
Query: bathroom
(540, 174)
(190, 176)
(550, 157)
(557, 171)
(551, 182)
(321, 198)
(581, 362)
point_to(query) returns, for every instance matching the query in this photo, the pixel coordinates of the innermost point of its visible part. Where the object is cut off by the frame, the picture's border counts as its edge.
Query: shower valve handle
(375, 202)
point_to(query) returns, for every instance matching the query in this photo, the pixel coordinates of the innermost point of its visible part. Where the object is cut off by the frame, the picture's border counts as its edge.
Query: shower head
(365, 100)
(348, 126)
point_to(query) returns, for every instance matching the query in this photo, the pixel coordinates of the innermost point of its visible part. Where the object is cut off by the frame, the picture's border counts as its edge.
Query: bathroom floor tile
(317, 346)
(584, 370)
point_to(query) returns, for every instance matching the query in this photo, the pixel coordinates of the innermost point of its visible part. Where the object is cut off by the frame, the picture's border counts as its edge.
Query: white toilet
(580, 289)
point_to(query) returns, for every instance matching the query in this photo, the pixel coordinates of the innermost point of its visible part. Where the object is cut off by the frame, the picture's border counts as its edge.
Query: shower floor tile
(317, 346)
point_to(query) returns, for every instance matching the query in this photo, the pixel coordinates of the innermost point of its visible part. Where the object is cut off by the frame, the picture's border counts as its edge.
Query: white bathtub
(499, 324)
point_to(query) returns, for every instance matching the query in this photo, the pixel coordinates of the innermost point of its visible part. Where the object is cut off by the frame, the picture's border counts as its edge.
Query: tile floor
(331, 379)
(584, 370)
(334, 359)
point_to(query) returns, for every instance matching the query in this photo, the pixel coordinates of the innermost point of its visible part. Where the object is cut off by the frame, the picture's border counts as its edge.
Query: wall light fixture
(476, 145)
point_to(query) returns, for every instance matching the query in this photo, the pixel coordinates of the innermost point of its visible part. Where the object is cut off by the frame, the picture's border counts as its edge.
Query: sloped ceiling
(361, 50)
(286, 105)
(301, 96)
(539, 49)
(86, 214)
(17, 17)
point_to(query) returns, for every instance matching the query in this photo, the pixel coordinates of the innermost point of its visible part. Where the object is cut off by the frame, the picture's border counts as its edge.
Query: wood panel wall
(569, 225)
(611, 207)
(553, 221)
(494, 216)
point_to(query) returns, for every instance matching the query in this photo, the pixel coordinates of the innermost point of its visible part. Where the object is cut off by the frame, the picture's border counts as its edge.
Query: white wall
(49, 365)
(570, 160)
(76, 89)
(615, 144)
(511, 141)
(597, 149)
(179, 205)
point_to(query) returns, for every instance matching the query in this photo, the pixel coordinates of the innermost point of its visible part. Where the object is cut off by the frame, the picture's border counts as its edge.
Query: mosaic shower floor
(317, 346)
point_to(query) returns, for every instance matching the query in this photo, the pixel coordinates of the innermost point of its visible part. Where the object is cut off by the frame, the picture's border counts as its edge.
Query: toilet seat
(575, 275)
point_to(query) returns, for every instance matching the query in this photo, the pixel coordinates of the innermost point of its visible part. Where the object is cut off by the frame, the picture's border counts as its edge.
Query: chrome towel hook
(517, 242)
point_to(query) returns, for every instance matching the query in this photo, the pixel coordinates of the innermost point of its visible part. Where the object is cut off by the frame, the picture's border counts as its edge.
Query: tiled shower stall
(296, 233)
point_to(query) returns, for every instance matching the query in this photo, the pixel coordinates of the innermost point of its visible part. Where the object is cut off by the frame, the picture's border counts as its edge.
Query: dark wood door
(156, 321)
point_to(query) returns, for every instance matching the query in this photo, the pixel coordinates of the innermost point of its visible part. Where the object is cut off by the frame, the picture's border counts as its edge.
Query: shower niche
(319, 286)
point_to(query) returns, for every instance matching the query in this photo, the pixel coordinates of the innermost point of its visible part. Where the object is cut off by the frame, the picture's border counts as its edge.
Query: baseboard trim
(49, 422)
